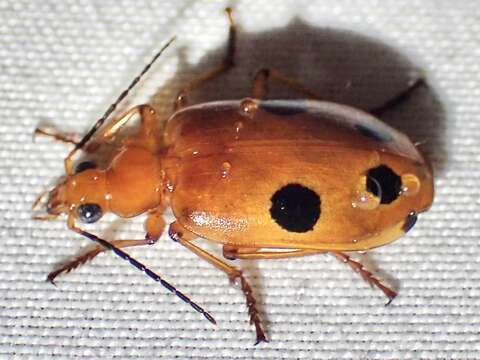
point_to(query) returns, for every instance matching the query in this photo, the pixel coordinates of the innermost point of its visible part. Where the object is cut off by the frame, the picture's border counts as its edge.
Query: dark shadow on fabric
(340, 65)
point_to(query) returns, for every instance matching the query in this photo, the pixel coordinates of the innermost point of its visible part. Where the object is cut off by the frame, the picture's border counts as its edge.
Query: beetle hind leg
(399, 98)
(365, 274)
(179, 234)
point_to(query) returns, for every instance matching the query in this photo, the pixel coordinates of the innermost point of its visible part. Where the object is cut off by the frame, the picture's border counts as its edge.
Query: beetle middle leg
(184, 237)
(228, 62)
(263, 76)
(233, 253)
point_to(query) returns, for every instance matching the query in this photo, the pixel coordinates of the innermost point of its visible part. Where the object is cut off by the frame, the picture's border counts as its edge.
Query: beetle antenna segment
(149, 273)
(112, 107)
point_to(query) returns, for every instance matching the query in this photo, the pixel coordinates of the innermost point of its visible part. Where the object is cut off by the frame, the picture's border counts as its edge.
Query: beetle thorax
(134, 182)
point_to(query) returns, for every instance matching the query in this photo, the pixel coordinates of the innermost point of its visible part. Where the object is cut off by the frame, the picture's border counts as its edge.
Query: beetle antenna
(149, 273)
(112, 107)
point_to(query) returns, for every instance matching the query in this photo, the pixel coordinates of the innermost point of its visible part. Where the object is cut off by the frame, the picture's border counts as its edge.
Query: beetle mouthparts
(55, 204)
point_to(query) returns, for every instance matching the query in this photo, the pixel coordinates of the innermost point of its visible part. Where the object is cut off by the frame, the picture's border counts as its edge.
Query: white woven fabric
(64, 62)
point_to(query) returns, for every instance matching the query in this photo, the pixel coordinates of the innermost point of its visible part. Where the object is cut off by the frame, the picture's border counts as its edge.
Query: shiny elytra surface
(227, 159)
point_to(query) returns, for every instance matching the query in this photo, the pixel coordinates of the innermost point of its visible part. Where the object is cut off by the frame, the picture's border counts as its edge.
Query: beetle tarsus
(251, 305)
(366, 275)
(85, 256)
(391, 299)
(51, 280)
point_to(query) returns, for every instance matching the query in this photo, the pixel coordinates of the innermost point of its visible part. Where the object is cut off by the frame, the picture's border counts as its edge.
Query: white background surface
(64, 62)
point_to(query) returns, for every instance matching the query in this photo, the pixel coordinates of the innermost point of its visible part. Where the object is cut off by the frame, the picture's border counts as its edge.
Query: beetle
(261, 177)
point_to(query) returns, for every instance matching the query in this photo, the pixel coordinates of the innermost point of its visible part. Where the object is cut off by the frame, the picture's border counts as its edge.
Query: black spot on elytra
(374, 134)
(295, 208)
(382, 181)
(410, 221)
(284, 108)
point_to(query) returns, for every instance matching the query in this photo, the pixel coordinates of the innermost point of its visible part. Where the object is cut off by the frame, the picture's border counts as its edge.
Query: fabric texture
(64, 62)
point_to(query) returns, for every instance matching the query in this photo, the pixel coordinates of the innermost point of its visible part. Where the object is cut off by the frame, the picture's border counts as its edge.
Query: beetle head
(82, 193)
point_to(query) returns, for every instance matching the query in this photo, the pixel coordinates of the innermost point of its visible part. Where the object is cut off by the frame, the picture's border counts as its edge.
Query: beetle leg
(263, 76)
(399, 98)
(109, 131)
(149, 129)
(68, 162)
(365, 274)
(185, 237)
(228, 62)
(150, 132)
(90, 252)
(138, 265)
(67, 138)
(149, 125)
(149, 135)
(233, 253)
(154, 225)
(106, 134)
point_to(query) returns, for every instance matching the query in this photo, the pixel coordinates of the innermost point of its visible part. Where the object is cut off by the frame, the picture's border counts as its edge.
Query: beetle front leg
(139, 266)
(65, 137)
(148, 135)
(90, 252)
(263, 76)
(185, 237)
(154, 226)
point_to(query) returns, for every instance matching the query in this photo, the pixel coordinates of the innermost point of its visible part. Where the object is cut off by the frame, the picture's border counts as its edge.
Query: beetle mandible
(260, 177)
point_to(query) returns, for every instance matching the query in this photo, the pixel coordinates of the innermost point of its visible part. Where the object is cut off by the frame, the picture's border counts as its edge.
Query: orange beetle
(264, 178)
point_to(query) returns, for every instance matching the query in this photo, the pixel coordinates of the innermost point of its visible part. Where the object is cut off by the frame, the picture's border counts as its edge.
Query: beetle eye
(89, 213)
(85, 165)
